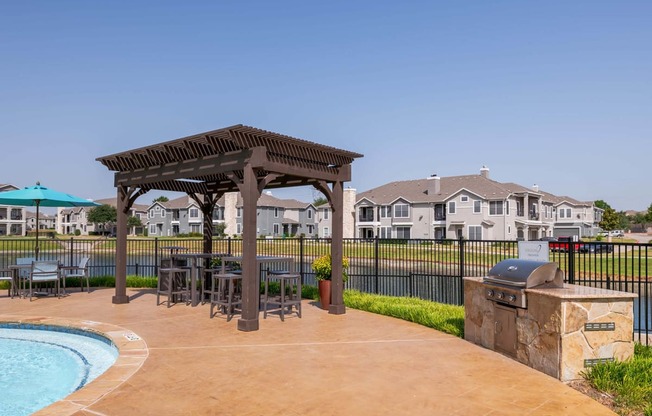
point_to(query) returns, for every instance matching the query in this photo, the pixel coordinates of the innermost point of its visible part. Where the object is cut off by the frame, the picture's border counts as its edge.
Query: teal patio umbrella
(40, 196)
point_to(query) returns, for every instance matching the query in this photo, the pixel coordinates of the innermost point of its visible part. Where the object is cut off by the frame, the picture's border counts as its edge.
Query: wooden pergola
(232, 159)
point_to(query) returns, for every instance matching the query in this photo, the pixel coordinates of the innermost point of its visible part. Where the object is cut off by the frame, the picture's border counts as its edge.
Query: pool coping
(132, 353)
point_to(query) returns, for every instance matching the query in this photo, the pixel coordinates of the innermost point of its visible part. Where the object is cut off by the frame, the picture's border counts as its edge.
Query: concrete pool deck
(354, 364)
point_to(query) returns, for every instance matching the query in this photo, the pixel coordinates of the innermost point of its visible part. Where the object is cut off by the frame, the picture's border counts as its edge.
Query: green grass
(630, 382)
(444, 318)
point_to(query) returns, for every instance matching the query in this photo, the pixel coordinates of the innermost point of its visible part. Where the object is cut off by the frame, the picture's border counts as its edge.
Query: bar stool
(172, 282)
(287, 280)
(223, 294)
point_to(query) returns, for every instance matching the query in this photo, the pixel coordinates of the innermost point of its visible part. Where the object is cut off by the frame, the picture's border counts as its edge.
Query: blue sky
(553, 93)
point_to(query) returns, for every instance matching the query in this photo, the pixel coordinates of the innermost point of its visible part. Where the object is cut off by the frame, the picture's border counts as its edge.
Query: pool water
(41, 366)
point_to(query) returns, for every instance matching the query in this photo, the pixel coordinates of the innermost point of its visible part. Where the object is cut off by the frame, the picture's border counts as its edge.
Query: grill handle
(504, 282)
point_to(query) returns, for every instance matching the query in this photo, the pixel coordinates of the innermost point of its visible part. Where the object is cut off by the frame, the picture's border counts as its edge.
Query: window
(311, 229)
(152, 229)
(403, 232)
(326, 213)
(509, 229)
(194, 228)
(451, 207)
(157, 208)
(401, 211)
(495, 207)
(275, 212)
(506, 207)
(327, 232)
(464, 198)
(276, 228)
(475, 232)
(238, 213)
(477, 207)
(238, 228)
(565, 213)
(385, 232)
(150, 213)
(309, 214)
(385, 211)
(163, 214)
(194, 213)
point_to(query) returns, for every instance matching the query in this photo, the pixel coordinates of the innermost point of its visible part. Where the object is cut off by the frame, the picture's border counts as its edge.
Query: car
(597, 247)
(563, 244)
(613, 233)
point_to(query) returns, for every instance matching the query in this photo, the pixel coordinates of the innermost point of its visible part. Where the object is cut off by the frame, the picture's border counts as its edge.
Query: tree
(133, 222)
(161, 198)
(218, 230)
(602, 205)
(104, 214)
(610, 219)
(319, 201)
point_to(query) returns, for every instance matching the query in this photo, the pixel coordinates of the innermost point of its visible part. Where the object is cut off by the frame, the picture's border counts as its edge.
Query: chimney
(535, 187)
(433, 185)
(484, 172)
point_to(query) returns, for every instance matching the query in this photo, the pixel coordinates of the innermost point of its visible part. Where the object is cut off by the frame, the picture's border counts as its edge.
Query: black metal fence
(428, 269)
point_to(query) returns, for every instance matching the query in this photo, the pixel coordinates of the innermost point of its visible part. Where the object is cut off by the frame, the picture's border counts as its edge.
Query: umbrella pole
(36, 250)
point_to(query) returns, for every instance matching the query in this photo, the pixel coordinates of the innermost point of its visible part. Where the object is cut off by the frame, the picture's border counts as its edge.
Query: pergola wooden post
(236, 158)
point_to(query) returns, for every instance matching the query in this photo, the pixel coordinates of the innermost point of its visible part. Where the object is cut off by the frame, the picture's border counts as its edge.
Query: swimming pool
(41, 364)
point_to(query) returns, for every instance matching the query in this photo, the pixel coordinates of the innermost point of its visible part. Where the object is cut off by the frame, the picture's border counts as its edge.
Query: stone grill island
(560, 333)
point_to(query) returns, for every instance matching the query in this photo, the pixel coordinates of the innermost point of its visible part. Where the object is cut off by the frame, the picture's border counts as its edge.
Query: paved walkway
(353, 364)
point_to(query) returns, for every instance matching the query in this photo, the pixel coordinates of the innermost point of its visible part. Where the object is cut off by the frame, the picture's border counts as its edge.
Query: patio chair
(6, 275)
(173, 282)
(80, 271)
(42, 272)
(23, 273)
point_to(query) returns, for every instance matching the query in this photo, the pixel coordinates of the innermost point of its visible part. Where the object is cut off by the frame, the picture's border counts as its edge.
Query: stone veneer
(550, 333)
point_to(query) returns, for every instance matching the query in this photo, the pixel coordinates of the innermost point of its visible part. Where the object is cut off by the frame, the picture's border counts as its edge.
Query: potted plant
(323, 274)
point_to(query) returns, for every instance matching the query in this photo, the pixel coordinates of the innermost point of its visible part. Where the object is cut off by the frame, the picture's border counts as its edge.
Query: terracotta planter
(325, 293)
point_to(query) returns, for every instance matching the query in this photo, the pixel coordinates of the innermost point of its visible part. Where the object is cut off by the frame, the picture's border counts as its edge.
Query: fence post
(71, 249)
(461, 254)
(156, 259)
(228, 245)
(571, 262)
(461, 271)
(376, 261)
(301, 240)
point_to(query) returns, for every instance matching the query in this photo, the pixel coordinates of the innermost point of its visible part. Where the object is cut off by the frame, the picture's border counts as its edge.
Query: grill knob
(512, 298)
(500, 295)
(490, 293)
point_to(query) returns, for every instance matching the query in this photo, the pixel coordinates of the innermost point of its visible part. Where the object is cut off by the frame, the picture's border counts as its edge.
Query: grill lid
(525, 274)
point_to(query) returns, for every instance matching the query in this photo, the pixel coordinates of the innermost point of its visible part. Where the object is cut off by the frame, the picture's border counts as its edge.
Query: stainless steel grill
(508, 279)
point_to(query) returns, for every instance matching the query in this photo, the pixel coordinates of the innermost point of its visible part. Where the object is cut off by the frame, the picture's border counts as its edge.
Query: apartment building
(12, 219)
(178, 216)
(69, 220)
(276, 217)
(474, 207)
(45, 221)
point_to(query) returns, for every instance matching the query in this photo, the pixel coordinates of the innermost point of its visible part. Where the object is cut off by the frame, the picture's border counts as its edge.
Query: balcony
(440, 217)
(534, 216)
(368, 217)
